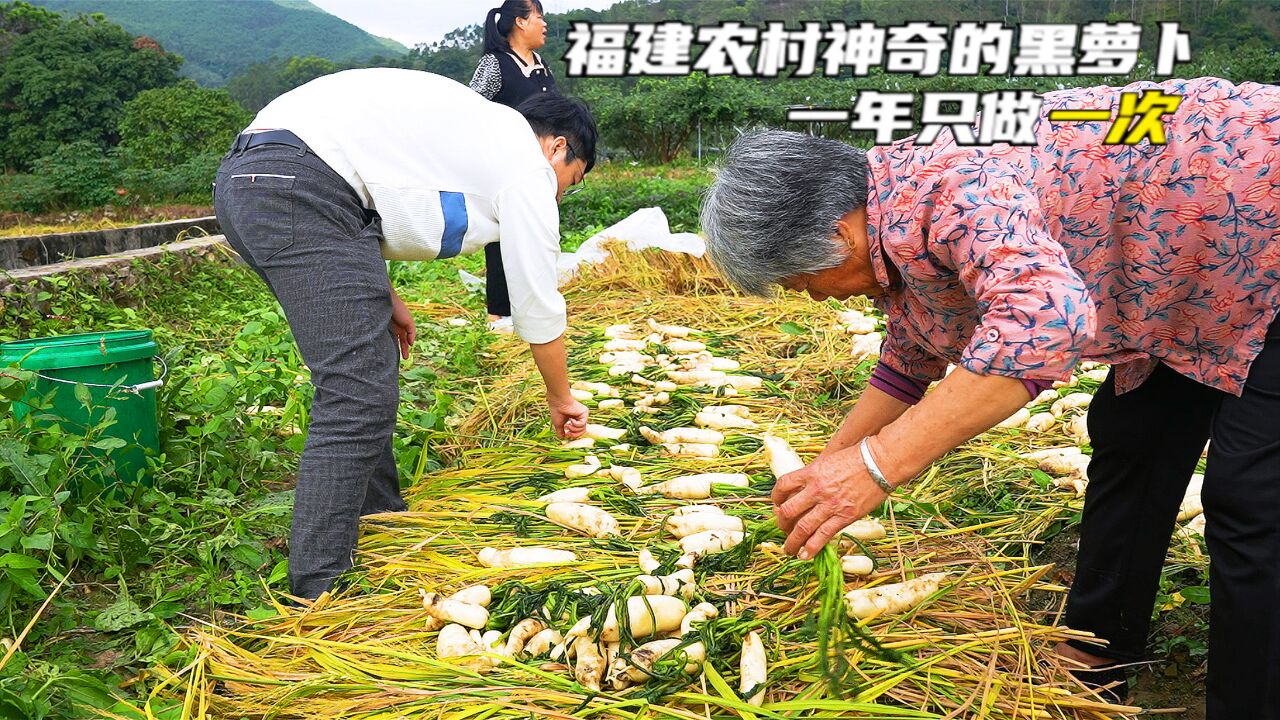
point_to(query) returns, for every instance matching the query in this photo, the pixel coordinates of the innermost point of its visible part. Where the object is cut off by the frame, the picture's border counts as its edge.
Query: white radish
(474, 595)
(542, 642)
(697, 508)
(599, 388)
(645, 410)
(589, 666)
(864, 346)
(863, 603)
(581, 395)
(620, 331)
(1041, 422)
(695, 487)
(580, 444)
(1070, 402)
(680, 583)
(710, 541)
(696, 450)
(648, 563)
(601, 432)
(624, 345)
(625, 369)
(647, 615)
(753, 669)
(524, 556)
(782, 459)
(738, 382)
(865, 529)
(701, 612)
(692, 523)
(454, 611)
(675, 331)
(651, 653)
(1096, 374)
(454, 641)
(623, 357)
(856, 565)
(1078, 429)
(586, 519)
(716, 421)
(1016, 420)
(626, 475)
(581, 470)
(610, 404)
(1192, 505)
(654, 399)
(1072, 482)
(520, 635)
(681, 347)
(573, 494)
(1045, 396)
(696, 377)
(685, 435)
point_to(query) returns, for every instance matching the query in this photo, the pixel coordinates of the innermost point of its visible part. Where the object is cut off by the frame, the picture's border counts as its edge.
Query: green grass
(208, 538)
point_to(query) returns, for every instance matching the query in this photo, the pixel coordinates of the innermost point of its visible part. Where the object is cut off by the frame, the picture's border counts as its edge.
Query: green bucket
(115, 370)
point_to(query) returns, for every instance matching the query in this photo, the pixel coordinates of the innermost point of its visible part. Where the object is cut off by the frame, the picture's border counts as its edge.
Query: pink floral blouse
(1021, 261)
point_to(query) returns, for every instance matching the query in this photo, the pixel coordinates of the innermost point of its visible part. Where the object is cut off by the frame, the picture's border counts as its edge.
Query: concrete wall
(36, 250)
(36, 288)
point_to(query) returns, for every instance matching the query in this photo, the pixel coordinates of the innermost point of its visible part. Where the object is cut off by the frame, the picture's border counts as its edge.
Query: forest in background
(95, 115)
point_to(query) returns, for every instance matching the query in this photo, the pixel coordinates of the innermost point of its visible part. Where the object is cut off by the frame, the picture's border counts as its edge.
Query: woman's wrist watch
(872, 469)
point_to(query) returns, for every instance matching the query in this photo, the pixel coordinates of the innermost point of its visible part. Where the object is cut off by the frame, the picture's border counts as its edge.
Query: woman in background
(509, 72)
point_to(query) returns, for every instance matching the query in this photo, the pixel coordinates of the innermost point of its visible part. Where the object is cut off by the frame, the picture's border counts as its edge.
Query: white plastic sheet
(641, 230)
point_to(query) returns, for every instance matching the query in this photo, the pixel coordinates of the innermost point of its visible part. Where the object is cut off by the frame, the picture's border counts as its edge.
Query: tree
(66, 80)
(164, 127)
(655, 118)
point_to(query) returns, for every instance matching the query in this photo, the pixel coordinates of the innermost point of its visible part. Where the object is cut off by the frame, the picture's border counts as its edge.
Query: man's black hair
(552, 114)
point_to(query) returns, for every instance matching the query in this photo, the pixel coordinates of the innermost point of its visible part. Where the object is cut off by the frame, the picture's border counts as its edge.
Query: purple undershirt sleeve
(1035, 387)
(896, 385)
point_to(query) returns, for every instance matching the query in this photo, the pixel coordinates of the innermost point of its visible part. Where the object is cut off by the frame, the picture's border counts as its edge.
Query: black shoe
(1110, 681)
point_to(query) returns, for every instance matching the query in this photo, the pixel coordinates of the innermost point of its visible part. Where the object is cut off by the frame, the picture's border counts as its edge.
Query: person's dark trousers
(1242, 527)
(1145, 446)
(302, 228)
(496, 298)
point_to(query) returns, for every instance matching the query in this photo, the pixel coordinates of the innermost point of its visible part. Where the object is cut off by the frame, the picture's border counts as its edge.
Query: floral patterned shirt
(1021, 261)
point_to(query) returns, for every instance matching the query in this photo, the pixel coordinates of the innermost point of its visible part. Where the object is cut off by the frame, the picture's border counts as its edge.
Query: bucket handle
(134, 389)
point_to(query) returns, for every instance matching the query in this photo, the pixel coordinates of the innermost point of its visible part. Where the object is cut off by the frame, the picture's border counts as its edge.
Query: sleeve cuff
(896, 385)
(537, 332)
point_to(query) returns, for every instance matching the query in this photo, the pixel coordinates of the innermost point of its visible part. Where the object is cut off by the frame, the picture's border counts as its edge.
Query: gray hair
(772, 210)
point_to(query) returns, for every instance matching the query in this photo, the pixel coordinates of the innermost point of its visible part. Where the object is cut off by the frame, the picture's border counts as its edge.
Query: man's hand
(816, 502)
(402, 325)
(568, 417)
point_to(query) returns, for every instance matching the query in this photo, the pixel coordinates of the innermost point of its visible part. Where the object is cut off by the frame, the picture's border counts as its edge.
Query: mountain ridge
(218, 38)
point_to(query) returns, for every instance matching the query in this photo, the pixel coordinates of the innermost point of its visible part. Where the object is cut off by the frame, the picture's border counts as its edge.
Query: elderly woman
(1015, 263)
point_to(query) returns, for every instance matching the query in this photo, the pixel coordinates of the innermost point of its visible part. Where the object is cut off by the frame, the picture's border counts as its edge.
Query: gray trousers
(302, 228)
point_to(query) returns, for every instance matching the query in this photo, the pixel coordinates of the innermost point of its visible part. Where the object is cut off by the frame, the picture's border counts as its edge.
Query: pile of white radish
(1068, 465)
(658, 617)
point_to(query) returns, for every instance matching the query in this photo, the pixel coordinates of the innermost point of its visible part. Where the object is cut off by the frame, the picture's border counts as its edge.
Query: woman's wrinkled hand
(402, 325)
(816, 502)
(568, 417)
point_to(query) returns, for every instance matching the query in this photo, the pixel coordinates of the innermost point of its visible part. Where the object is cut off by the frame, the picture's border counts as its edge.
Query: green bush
(76, 175)
(610, 194)
(189, 182)
(167, 127)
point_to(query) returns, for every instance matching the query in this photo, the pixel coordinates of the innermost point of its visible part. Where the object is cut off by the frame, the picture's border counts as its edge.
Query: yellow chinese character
(1066, 115)
(1150, 108)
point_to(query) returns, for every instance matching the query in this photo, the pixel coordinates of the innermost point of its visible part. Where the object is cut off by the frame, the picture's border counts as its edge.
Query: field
(171, 595)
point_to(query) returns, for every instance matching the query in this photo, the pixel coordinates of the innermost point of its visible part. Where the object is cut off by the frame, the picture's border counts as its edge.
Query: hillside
(220, 37)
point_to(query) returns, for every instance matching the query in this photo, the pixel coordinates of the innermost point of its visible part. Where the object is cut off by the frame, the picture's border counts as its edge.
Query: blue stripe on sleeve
(454, 207)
